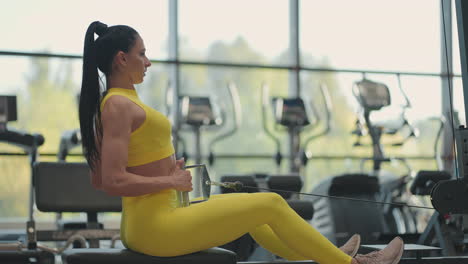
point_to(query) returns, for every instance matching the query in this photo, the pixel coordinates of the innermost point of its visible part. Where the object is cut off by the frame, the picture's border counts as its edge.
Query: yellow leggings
(153, 225)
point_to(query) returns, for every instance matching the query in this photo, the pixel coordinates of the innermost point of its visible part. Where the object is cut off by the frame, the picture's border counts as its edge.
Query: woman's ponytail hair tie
(100, 28)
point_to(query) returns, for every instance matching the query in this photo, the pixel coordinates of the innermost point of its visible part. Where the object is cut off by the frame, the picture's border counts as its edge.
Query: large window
(46, 91)
(59, 26)
(249, 44)
(455, 45)
(234, 31)
(250, 139)
(371, 35)
(423, 115)
(458, 101)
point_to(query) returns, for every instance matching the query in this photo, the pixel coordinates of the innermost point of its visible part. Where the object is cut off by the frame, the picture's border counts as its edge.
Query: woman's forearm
(130, 184)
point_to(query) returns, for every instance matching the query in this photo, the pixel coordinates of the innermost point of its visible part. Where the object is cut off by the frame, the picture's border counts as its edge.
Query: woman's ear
(121, 58)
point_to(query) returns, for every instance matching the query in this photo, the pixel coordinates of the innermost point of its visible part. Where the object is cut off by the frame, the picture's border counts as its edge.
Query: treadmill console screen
(198, 111)
(7, 108)
(7, 111)
(372, 95)
(290, 112)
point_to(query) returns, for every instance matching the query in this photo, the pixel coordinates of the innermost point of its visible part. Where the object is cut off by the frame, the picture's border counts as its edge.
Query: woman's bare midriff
(163, 167)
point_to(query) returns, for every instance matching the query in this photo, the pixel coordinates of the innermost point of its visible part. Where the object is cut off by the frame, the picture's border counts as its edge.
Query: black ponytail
(98, 53)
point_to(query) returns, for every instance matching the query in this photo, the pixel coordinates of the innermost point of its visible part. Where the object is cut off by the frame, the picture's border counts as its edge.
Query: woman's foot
(391, 254)
(351, 246)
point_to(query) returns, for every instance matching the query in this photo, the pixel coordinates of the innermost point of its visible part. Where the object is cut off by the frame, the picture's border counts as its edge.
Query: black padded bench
(125, 256)
(289, 183)
(66, 187)
(27, 256)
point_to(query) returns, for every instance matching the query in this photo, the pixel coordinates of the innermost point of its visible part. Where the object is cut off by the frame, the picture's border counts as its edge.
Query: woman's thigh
(211, 223)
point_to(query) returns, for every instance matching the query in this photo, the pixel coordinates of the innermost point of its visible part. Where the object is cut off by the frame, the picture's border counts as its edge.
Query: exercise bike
(339, 219)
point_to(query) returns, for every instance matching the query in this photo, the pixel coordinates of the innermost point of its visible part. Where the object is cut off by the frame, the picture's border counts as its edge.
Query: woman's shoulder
(114, 104)
(116, 114)
(116, 100)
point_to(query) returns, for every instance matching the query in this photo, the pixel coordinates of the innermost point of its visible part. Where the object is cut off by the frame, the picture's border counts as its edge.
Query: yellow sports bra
(152, 140)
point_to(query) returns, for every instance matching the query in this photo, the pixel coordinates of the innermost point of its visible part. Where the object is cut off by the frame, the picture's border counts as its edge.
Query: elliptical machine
(373, 96)
(295, 117)
(197, 113)
(291, 114)
(30, 144)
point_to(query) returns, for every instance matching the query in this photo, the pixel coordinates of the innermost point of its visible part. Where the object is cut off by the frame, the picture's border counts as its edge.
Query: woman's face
(137, 62)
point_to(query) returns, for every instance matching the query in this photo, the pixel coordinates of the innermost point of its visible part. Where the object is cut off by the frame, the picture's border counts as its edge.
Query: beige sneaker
(351, 246)
(391, 254)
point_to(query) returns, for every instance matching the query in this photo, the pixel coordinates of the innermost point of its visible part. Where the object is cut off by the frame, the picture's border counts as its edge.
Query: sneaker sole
(397, 260)
(353, 254)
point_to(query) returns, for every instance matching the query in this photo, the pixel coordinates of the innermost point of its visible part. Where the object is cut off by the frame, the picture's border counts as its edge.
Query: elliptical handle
(264, 98)
(68, 140)
(328, 115)
(407, 101)
(237, 112)
(22, 139)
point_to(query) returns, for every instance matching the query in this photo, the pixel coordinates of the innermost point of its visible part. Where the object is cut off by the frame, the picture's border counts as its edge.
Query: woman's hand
(182, 179)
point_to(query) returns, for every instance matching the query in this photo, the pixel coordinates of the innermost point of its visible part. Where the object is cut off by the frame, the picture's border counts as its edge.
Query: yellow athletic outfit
(153, 224)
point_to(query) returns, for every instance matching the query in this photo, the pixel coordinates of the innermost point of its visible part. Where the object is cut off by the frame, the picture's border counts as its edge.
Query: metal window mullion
(446, 67)
(294, 79)
(446, 55)
(174, 69)
(462, 22)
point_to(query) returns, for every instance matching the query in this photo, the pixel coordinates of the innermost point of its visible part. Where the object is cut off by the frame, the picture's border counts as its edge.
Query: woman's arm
(115, 180)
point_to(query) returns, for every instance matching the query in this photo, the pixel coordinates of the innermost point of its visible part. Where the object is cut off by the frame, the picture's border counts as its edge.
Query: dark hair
(98, 53)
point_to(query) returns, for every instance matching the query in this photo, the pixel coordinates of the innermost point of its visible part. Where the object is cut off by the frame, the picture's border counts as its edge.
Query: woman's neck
(119, 81)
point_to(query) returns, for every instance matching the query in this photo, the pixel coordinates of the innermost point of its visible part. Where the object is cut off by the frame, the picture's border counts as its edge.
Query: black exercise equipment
(339, 219)
(295, 116)
(8, 110)
(425, 180)
(69, 140)
(29, 143)
(289, 183)
(374, 96)
(26, 257)
(125, 256)
(65, 187)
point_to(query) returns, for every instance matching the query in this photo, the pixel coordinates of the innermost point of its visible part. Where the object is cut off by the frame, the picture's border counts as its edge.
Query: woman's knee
(274, 196)
(273, 200)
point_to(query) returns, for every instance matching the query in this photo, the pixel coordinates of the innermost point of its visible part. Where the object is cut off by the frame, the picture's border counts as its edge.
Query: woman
(128, 147)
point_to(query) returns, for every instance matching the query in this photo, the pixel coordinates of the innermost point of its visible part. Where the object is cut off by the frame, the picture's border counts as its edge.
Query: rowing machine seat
(126, 256)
